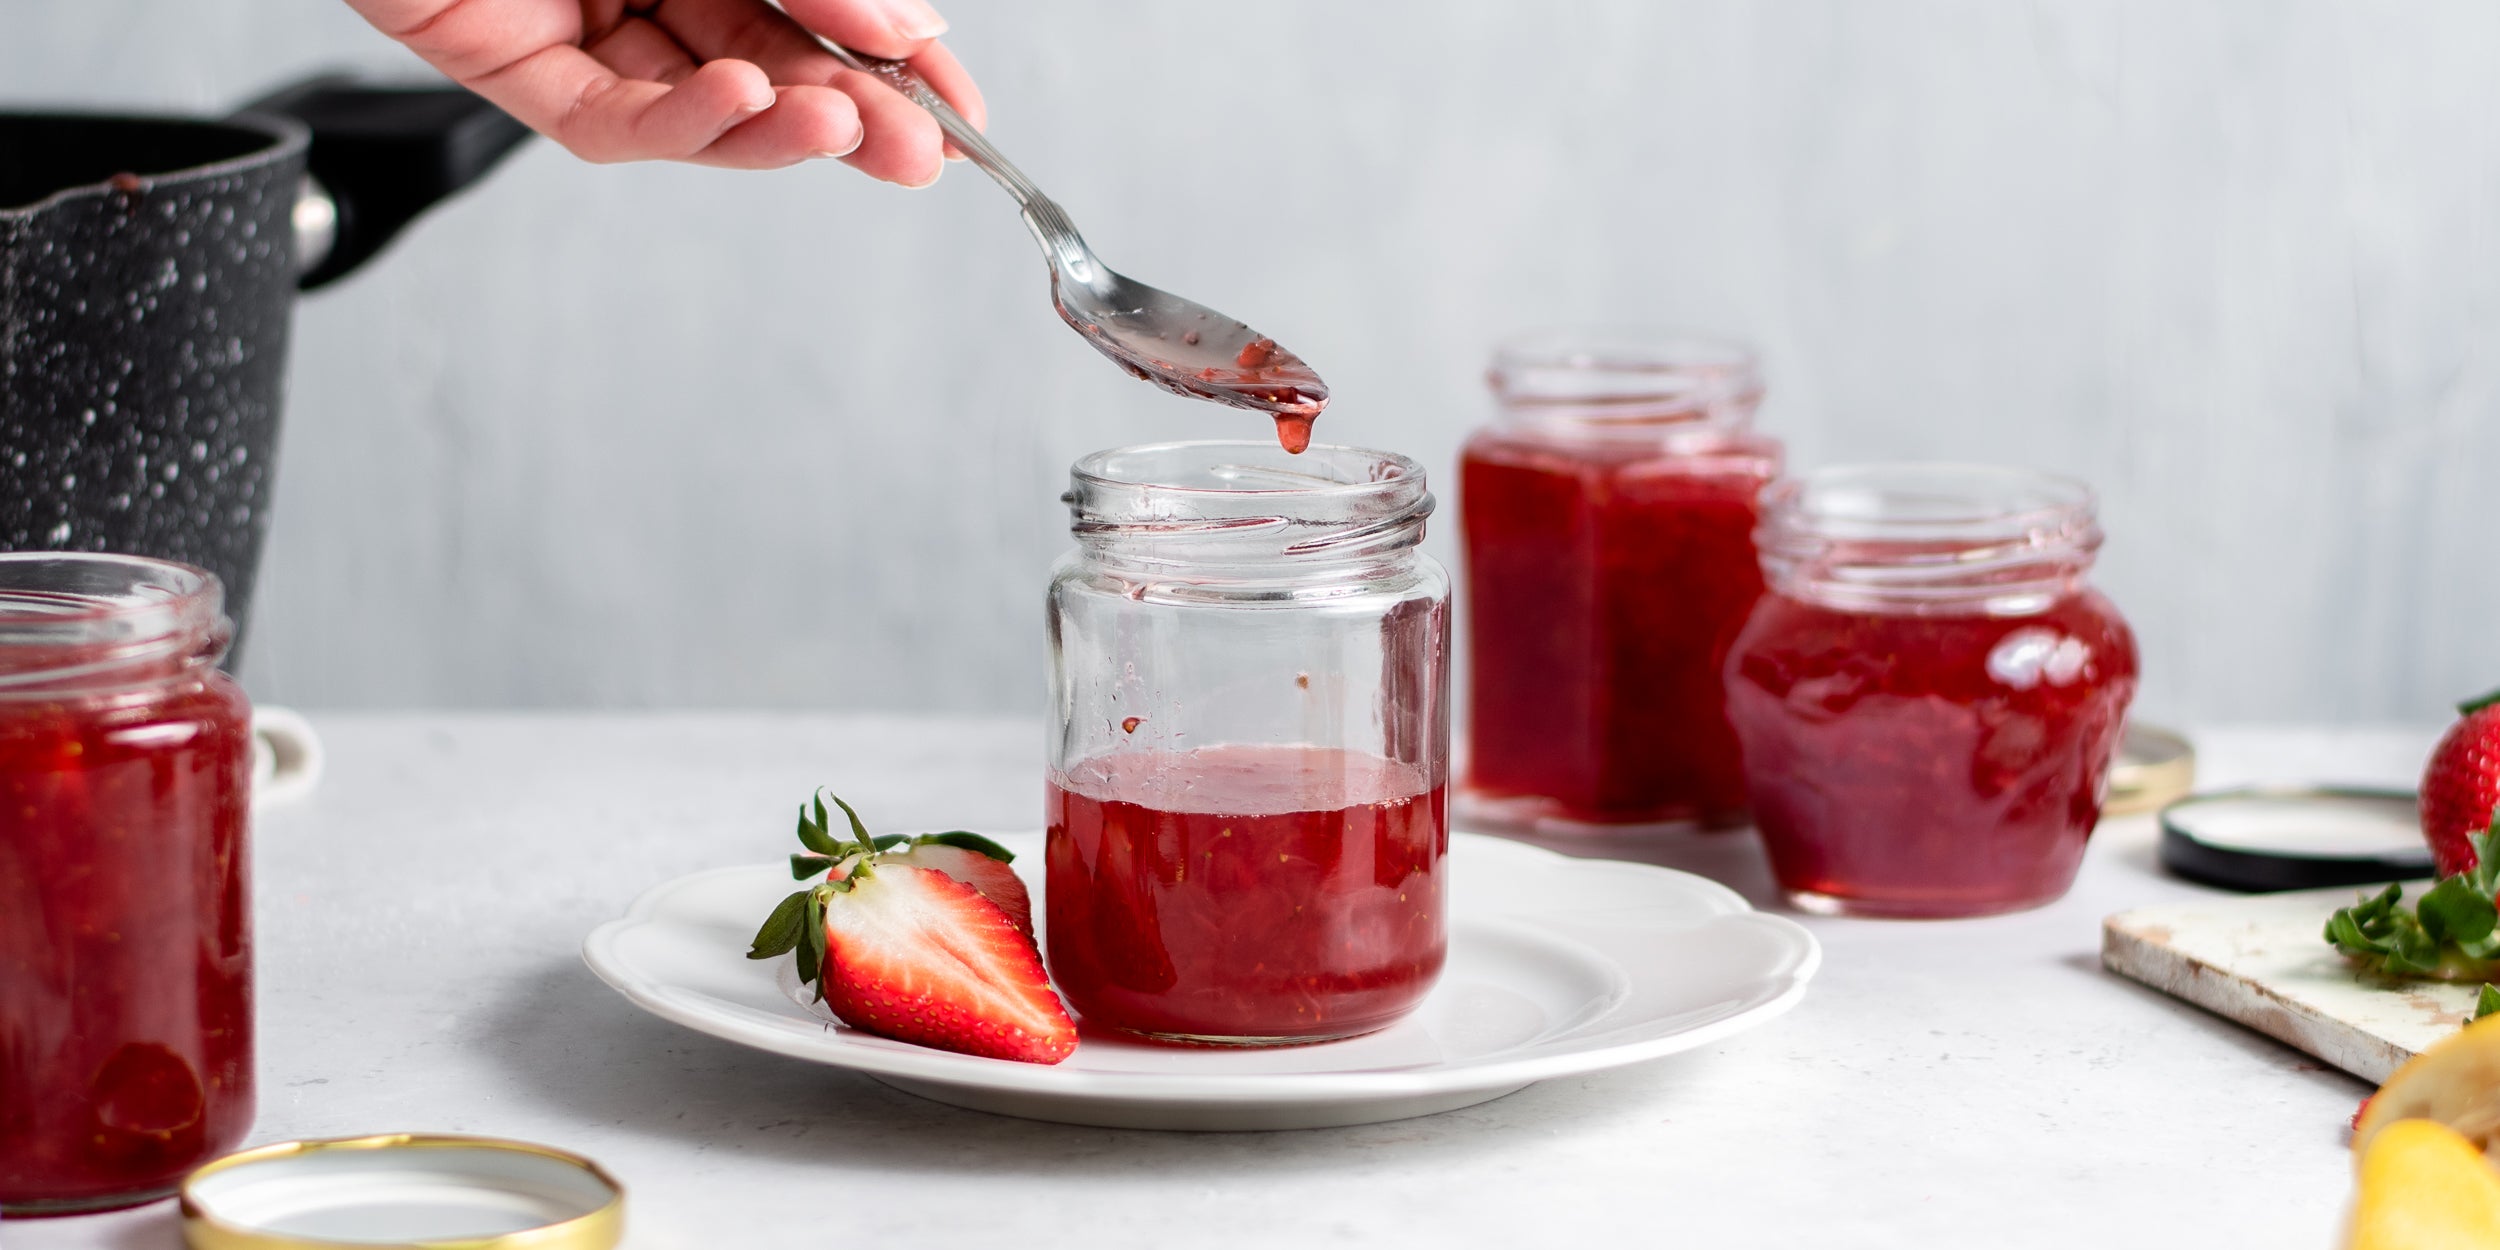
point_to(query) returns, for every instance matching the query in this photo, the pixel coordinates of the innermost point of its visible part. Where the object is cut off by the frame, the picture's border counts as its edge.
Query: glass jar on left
(1249, 766)
(125, 918)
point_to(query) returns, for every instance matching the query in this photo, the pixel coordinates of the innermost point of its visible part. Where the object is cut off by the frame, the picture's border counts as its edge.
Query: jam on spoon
(1158, 337)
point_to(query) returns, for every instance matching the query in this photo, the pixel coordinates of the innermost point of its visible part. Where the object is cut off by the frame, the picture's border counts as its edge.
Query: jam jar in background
(125, 926)
(1247, 797)
(1609, 513)
(1930, 693)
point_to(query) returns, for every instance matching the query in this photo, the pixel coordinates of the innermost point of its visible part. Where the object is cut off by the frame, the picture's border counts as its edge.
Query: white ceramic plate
(1557, 966)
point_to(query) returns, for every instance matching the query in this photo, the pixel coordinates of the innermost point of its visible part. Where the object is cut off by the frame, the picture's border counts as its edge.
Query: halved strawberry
(2462, 784)
(921, 957)
(897, 941)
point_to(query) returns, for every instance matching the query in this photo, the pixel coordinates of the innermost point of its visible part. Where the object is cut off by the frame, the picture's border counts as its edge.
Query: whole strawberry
(925, 940)
(2462, 785)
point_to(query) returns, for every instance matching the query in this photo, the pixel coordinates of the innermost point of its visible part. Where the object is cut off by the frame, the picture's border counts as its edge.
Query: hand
(718, 82)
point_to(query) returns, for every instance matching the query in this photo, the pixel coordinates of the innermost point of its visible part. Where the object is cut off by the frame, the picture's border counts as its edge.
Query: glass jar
(1247, 798)
(1930, 694)
(125, 925)
(1609, 515)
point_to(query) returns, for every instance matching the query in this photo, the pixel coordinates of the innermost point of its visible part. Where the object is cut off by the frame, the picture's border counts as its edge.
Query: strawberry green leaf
(2454, 930)
(812, 833)
(2471, 706)
(2485, 874)
(811, 943)
(2454, 912)
(805, 864)
(780, 933)
(2487, 1002)
(968, 841)
(888, 841)
(858, 830)
(2383, 934)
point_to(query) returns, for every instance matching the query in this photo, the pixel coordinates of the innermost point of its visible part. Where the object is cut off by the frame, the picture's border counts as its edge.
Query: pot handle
(380, 156)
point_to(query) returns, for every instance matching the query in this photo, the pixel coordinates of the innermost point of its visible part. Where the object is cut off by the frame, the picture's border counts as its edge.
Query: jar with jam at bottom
(1248, 764)
(1930, 693)
(1609, 516)
(125, 925)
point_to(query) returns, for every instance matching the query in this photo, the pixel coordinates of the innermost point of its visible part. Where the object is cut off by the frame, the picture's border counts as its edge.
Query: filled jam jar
(1930, 693)
(125, 926)
(1608, 517)
(1247, 799)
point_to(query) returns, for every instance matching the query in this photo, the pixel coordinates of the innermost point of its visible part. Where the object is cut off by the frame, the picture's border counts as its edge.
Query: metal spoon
(1183, 347)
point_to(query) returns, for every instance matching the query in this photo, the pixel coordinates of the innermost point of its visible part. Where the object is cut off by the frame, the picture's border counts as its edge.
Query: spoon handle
(1049, 223)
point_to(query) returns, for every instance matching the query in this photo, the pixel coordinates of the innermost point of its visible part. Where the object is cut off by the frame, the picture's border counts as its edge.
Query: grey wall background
(665, 436)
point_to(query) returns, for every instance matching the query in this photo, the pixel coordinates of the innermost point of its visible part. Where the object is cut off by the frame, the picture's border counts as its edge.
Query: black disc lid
(2266, 838)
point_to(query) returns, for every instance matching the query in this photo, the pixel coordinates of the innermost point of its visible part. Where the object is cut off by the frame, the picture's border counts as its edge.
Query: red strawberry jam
(125, 927)
(1928, 718)
(1610, 560)
(1245, 894)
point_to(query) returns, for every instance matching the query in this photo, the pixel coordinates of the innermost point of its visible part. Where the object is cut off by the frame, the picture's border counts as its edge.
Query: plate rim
(925, 1064)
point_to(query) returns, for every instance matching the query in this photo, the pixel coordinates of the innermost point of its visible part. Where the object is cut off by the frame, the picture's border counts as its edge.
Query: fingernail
(831, 155)
(913, 19)
(953, 155)
(929, 182)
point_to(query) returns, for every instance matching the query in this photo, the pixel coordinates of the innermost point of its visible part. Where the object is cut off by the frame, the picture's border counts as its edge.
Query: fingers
(899, 142)
(695, 79)
(569, 96)
(894, 29)
(639, 49)
(947, 76)
(807, 123)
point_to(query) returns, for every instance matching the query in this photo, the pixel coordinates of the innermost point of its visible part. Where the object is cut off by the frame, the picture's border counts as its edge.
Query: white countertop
(1957, 1083)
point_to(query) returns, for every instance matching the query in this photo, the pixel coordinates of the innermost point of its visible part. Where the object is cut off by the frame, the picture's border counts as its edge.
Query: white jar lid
(405, 1190)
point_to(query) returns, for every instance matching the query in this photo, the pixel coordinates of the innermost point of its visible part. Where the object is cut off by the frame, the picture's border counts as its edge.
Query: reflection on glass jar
(1609, 533)
(125, 943)
(1930, 694)
(1247, 799)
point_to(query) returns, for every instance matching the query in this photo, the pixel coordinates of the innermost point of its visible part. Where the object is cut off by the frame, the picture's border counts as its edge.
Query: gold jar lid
(417, 1191)
(2154, 768)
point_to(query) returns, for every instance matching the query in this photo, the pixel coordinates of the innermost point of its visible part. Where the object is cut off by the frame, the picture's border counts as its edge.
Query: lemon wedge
(2456, 1082)
(2424, 1187)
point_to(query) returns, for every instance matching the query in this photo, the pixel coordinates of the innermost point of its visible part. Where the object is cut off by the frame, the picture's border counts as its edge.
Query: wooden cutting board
(2259, 960)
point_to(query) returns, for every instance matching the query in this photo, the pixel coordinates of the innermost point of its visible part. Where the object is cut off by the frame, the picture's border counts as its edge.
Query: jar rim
(1928, 501)
(1251, 458)
(1591, 372)
(68, 616)
(1234, 500)
(1928, 536)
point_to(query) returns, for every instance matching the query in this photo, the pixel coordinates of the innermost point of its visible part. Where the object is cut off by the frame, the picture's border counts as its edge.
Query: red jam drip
(1245, 892)
(1293, 431)
(1604, 583)
(1929, 765)
(1270, 377)
(125, 941)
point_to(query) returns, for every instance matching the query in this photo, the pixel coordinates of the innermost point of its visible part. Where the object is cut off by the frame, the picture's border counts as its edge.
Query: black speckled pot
(147, 270)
